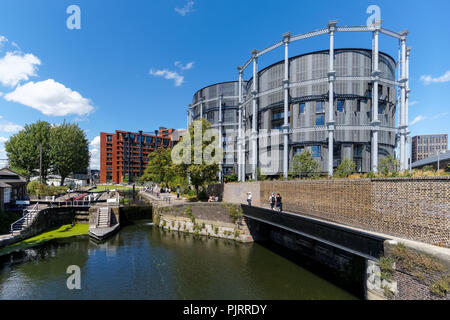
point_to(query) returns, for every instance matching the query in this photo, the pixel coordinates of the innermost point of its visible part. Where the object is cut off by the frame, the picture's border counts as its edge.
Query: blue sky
(111, 74)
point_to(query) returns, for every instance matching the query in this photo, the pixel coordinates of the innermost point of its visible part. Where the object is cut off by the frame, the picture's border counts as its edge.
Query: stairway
(24, 222)
(103, 217)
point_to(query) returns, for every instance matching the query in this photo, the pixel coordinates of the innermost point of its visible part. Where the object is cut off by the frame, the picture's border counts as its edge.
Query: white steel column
(407, 151)
(220, 137)
(187, 120)
(254, 142)
(375, 78)
(201, 108)
(403, 126)
(331, 78)
(286, 39)
(241, 159)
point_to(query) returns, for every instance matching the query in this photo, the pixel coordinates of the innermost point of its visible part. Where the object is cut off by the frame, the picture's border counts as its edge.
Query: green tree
(69, 149)
(345, 168)
(304, 165)
(388, 165)
(201, 154)
(24, 149)
(160, 168)
(125, 178)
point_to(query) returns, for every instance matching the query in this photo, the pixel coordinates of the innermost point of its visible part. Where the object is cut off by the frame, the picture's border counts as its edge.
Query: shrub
(202, 196)
(304, 165)
(428, 168)
(231, 178)
(388, 165)
(345, 168)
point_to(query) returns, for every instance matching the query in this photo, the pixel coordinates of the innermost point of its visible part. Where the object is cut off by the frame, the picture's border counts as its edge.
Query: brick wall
(412, 208)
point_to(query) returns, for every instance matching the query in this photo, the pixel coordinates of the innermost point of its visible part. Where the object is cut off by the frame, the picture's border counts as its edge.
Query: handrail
(98, 217)
(26, 217)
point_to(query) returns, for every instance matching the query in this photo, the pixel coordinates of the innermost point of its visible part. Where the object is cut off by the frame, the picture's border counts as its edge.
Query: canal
(143, 262)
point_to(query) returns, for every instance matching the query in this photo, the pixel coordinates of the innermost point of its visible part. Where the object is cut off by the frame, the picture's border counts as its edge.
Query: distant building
(126, 153)
(424, 146)
(12, 187)
(442, 161)
(178, 134)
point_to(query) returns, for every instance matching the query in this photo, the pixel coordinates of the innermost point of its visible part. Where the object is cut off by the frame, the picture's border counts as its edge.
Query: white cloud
(412, 103)
(16, 67)
(189, 7)
(169, 75)
(417, 119)
(51, 98)
(3, 140)
(2, 40)
(10, 127)
(184, 67)
(428, 79)
(95, 153)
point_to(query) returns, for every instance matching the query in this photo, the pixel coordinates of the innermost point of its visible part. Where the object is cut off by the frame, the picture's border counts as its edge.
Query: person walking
(279, 203)
(178, 192)
(249, 198)
(272, 200)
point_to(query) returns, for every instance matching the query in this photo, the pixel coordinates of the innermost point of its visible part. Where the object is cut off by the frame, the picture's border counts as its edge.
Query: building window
(320, 119)
(109, 138)
(340, 105)
(358, 106)
(320, 107)
(337, 150)
(298, 150)
(301, 108)
(320, 113)
(381, 108)
(357, 151)
(278, 118)
(316, 151)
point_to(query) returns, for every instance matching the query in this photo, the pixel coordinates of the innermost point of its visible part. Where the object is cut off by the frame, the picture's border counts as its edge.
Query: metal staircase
(26, 220)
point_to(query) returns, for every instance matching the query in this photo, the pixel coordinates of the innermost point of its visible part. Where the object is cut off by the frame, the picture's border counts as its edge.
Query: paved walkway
(165, 199)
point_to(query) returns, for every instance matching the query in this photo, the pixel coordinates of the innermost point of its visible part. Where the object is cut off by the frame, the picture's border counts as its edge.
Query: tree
(24, 149)
(304, 165)
(160, 168)
(201, 154)
(388, 165)
(69, 149)
(345, 168)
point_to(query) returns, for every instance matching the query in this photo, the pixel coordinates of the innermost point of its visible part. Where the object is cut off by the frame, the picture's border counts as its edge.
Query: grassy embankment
(65, 231)
(101, 188)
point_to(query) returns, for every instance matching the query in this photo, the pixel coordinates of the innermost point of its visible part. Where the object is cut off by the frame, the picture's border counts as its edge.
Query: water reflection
(143, 262)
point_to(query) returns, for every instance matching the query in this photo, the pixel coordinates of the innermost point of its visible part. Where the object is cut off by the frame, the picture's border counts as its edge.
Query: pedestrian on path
(272, 200)
(249, 198)
(279, 203)
(178, 192)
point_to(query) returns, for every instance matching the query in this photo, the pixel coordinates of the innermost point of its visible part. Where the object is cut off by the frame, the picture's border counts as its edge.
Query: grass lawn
(65, 231)
(105, 187)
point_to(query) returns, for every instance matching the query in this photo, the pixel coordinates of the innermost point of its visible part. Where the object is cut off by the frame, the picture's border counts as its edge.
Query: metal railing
(26, 220)
(74, 203)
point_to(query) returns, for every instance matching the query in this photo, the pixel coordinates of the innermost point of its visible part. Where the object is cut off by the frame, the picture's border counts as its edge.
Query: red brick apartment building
(126, 152)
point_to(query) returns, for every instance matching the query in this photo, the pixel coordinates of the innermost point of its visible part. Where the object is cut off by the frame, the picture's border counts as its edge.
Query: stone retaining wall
(208, 219)
(412, 208)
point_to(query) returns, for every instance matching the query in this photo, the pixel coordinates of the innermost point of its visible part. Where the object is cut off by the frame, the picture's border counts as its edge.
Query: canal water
(143, 262)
